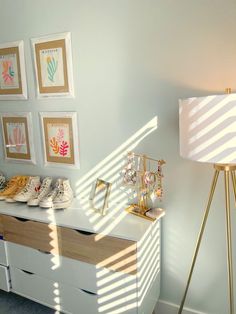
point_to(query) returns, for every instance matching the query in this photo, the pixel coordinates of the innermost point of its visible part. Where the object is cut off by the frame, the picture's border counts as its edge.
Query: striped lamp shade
(208, 128)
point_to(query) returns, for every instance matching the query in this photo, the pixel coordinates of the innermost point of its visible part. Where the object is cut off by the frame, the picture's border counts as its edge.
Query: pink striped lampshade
(208, 128)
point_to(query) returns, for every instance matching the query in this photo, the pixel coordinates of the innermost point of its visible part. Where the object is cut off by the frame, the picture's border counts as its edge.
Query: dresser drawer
(69, 271)
(102, 251)
(4, 278)
(3, 253)
(53, 294)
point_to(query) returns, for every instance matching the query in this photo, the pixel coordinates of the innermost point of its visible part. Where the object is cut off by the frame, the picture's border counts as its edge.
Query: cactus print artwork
(8, 72)
(59, 141)
(52, 68)
(51, 63)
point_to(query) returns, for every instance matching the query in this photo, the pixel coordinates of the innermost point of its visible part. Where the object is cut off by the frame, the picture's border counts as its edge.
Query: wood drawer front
(1, 225)
(4, 279)
(29, 233)
(53, 294)
(3, 253)
(102, 251)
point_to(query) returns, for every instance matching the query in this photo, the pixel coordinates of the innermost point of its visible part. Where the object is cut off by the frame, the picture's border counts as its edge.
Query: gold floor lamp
(208, 134)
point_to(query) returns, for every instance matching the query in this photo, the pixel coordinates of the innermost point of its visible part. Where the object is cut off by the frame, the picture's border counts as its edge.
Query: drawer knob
(44, 252)
(27, 272)
(86, 233)
(21, 219)
(88, 292)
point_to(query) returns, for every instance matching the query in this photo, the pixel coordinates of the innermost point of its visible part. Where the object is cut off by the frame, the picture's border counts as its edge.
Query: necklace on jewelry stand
(145, 181)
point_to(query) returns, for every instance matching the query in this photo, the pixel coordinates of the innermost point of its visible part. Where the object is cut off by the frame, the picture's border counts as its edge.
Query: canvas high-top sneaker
(43, 191)
(2, 181)
(10, 187)
(29, 191)
(60, 197)
(64, 196)
(47, 201)
(21, 183)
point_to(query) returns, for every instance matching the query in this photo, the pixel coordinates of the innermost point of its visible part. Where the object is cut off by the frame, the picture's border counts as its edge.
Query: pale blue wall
(133, 60)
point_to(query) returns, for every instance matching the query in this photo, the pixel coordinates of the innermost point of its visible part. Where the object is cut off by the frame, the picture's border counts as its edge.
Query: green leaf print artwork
(51, 68)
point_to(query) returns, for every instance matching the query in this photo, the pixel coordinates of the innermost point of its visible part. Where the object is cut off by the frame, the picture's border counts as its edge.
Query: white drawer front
(4, 278)
(53, 267)
(68, 271)
(55, 295)
(3, 253)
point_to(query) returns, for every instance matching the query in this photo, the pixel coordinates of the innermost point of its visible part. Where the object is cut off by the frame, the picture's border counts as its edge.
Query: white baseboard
(164, 307)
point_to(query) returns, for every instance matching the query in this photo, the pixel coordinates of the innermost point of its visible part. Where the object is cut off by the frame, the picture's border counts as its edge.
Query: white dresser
(4, 269)
(78, 262)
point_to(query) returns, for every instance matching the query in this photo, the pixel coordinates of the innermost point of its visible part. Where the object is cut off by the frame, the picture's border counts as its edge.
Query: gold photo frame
(18, 144)
(53, 65)
(12, 71)
(60, 138)
(99, 196)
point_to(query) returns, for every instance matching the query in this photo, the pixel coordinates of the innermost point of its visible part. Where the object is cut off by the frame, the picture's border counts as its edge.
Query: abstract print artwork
(16, 137)
(53, 65)
(60, 138)
(12, 71)
(9, 71)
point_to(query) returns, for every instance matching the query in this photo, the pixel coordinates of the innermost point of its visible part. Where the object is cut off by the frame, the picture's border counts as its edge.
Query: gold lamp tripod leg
(228, 169)
(229, 241)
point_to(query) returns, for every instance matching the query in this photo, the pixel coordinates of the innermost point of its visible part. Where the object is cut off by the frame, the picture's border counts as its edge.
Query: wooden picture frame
(99, 196)
(17, 137)
(53, 65)
(13, 84)
(60, 138)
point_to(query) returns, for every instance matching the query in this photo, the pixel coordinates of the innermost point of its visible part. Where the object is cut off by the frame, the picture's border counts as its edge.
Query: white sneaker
(45, 188)
(47, 201)
(29, 191)
(60, 197)
(2, 181)
(64, 196)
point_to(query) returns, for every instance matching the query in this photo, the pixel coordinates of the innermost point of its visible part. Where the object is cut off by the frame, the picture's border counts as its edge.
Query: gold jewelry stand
(142, 207)
(228, 170)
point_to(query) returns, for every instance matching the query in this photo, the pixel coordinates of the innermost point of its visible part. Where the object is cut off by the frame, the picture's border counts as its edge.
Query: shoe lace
(60, 193)
(53, 192)
(28, 187)
(60, 190)
(43, 189)
(10, 183)
(22, 182)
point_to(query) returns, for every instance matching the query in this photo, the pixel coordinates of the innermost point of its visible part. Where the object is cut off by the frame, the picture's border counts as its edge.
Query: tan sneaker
(21, 183)
(10, 188)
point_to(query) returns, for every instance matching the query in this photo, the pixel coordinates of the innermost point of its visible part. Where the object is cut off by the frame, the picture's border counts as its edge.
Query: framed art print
(53, 65)
(12, 71)
(99, 196)
(60, 138)
(17, 137)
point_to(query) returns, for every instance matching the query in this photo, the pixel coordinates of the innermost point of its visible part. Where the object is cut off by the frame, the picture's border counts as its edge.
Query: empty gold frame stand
(229, 170)
(141, 208)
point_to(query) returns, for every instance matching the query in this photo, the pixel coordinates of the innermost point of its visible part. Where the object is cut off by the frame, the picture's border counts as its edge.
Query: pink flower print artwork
(59, 145)
(8, 72)
(17, 140)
